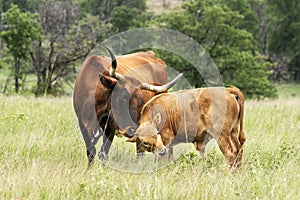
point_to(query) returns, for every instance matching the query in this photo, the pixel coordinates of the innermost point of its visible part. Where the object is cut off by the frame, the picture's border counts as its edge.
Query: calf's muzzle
(163, 151)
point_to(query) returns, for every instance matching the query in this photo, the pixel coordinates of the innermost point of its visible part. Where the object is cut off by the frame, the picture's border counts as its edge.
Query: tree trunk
(36, 62)
(49, 78)
(6, 85)
(17, 73)
(297, 73)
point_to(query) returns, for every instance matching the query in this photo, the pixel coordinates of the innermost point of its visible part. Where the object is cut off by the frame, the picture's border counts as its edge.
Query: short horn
(113, 68)
(162, 88)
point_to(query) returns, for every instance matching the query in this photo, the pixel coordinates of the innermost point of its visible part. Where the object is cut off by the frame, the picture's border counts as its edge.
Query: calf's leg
(228, 149)
(201, 142)
(238, 144)
(140, 152)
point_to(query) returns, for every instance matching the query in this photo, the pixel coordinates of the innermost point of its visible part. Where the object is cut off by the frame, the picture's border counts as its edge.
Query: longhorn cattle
(196, 116)
(139, 77)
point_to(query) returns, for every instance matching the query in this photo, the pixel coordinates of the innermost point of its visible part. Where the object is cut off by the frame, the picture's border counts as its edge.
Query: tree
(217, 28)
(124, 18)
(25, 5)
(104, 8)
(284, 27)
(23, 30)
(100, 8)
(67, 38)
(257, 21)
(128, 14)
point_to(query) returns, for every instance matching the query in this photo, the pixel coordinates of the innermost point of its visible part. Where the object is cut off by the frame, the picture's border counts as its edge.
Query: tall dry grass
(42, 156)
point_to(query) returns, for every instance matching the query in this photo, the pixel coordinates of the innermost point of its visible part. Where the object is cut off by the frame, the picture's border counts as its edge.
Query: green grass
(42, 156)
(288, 90)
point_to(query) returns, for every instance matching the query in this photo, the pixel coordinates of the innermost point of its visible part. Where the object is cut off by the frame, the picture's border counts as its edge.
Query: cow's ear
(108, 81)
(132, 139)
(157, 119)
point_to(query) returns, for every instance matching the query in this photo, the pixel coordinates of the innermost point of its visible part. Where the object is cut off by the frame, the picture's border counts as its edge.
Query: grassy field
(42, 156)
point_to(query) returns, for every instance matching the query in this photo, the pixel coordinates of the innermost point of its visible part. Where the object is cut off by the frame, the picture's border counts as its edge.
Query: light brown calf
(196, 116)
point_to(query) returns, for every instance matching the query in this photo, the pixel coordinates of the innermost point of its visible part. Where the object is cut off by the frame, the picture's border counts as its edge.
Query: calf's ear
(132, 139)
(157, 119)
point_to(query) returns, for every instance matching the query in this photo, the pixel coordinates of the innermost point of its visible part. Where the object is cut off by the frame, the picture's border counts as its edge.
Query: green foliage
(284, 39)
(122, 14)
(216, 28)
(104, 8)
(244, 8)
(250, 74)
(23, 30)
(234, 32)
(101, 8)
(124, 18)
(128, 14)
(25, 5)
(286, 24)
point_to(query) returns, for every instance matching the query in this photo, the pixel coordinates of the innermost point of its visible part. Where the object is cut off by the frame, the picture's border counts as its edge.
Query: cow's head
(148, 137)
(127, 96)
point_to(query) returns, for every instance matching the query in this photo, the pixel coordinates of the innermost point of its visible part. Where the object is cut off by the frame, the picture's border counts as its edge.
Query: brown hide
(196, 116)
(91, 97)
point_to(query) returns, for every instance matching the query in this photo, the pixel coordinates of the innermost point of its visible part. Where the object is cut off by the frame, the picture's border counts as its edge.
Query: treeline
(253, 42)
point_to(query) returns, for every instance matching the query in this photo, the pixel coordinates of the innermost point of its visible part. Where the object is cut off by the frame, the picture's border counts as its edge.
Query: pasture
(42, 156)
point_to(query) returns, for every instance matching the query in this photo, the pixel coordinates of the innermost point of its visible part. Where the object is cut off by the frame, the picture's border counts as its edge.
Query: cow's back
(143, 66)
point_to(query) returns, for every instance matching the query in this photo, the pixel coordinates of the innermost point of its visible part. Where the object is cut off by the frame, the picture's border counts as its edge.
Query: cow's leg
(91, 152)
(107, 141)
(90, 148)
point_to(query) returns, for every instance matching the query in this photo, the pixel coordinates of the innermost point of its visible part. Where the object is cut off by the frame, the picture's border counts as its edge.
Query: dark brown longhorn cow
(107, 98)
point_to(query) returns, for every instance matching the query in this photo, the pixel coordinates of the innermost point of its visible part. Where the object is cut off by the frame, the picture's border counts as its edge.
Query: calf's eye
(147, 145)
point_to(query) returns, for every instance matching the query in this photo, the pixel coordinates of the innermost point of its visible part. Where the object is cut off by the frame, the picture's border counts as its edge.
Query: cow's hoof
(102, 156)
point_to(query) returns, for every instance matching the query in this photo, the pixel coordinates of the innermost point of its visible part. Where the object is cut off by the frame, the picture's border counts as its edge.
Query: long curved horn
(112, 71)
(162, 88)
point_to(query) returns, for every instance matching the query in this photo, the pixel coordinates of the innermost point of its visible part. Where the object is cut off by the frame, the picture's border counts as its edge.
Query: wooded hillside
(254, 43)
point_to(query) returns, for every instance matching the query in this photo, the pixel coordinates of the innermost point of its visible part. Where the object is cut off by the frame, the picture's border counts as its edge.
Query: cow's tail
(241, 101)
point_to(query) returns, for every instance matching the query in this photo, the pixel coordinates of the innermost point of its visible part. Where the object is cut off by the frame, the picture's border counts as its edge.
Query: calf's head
(148, 137)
